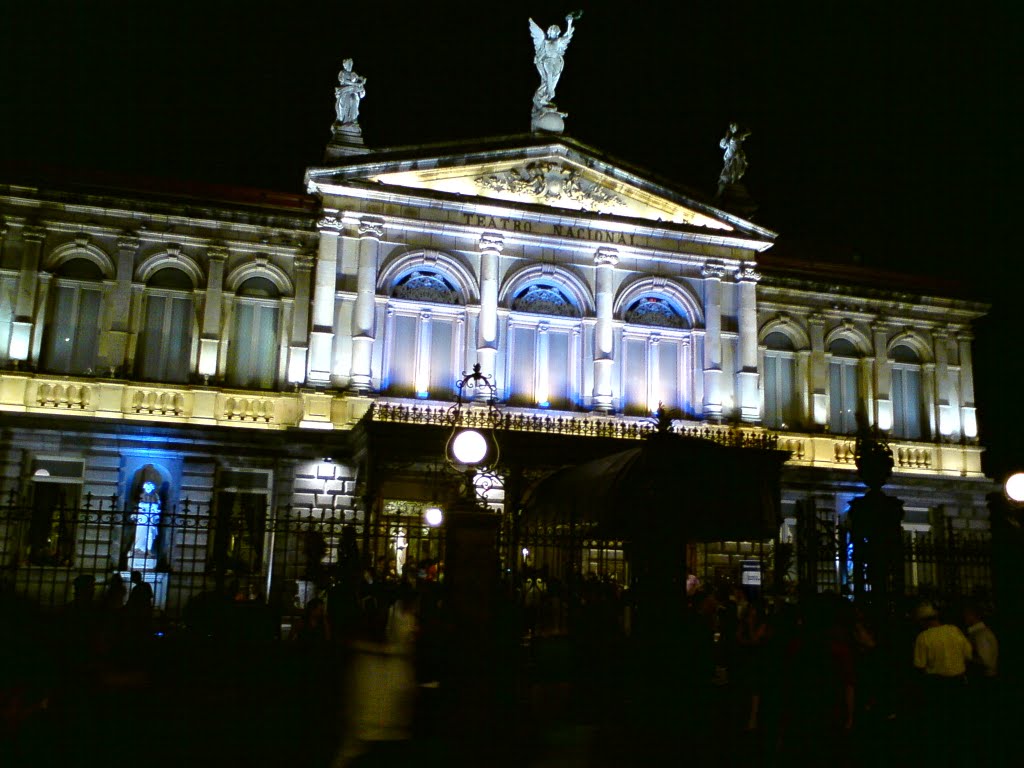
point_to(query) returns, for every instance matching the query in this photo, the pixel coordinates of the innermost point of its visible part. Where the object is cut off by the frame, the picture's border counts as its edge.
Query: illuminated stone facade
(225, 345)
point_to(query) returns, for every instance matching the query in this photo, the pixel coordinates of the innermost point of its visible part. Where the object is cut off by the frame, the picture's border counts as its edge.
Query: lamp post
(471, 559)
(875, 527)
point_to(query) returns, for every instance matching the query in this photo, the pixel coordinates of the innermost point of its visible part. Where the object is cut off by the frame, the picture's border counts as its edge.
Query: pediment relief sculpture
(549, 182)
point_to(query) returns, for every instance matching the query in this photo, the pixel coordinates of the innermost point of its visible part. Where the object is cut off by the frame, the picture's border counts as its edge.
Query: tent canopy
(669, 486)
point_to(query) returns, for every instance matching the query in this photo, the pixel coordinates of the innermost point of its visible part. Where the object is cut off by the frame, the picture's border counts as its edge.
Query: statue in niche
(734, 159)
(147, 521)
(549, 58)
(350, 91)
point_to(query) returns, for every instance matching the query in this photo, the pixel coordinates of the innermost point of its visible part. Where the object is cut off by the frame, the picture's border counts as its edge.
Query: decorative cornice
(713, 272)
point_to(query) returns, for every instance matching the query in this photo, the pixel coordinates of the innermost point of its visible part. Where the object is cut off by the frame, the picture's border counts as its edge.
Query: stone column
(321, 337)
(883, 377)
(605, 261)
(20, 344)
(213, 307)
(490, 246)
(541, 394)
(297, 349)
(747, 395)
(968, 417)
(818, 370)
(929, 386)
(370, 233)
(713, 340)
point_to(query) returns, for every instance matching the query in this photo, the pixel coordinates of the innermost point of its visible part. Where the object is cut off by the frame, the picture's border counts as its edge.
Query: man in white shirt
(984, 645)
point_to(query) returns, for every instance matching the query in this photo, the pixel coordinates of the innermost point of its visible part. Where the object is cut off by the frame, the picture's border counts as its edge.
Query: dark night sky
(890, 130)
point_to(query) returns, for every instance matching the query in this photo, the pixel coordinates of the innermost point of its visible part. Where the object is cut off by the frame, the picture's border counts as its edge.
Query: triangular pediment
(560, 175)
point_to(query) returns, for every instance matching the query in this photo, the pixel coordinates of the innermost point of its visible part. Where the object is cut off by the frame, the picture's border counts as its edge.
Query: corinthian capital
(491, 241)
(304, 261)
(713, 271)
(747, 274)
(371, 228)
(329, 224)
(606, 257)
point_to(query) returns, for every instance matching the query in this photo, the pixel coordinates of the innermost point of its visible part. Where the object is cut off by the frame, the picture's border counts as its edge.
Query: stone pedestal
(547, 121)
(346, 140)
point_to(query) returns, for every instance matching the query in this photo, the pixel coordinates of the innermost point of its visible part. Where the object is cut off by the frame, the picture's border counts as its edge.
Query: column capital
(371, 228)
(964, 335)
(713, 272)
(816, 318)
(491, 241)
(747, 274)
(881, 325)
(606, 257)
(304, 261)
(330, 224)
(128, 241)
(33, 233)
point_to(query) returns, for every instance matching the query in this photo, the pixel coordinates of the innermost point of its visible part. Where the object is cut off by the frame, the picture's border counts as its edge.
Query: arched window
(254, 346)
(779, 375)
(423, 335)
(543, 357)
(653, 356)
(165, 343)
(907, 404)
(71, 339)
(842, 379)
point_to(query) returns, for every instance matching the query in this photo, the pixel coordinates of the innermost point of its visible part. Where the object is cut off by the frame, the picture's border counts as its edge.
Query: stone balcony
(247, 409)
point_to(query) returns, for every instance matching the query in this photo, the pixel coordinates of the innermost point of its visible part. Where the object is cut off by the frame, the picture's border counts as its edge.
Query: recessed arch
(860, 342)
(914, 342)
(174, 259)
(398, 266)
(788, 327)
(573, 285)
(681, 297)
(80, 250)
(265, 269)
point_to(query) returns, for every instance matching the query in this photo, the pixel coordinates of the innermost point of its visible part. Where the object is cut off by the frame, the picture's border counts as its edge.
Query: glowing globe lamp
(469, 447)
(433, 516)
(1015, 487)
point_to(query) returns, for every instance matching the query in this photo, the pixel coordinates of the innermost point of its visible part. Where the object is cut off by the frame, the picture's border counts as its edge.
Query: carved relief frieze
(551, 182)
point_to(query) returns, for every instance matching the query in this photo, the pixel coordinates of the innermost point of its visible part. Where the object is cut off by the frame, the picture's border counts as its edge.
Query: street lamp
(1014, 488)
(472, 450)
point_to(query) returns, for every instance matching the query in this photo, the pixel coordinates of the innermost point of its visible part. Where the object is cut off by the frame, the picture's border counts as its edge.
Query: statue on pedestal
(350, 91)
(734, 159)
(147, 522)
(549, 53)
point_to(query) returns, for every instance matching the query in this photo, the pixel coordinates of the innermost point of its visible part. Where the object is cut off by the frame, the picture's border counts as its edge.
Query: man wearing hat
(941, 652)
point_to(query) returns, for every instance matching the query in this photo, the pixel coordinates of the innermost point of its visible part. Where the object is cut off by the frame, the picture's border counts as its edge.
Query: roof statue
(346, 135)
(734, 159)
(549, 58)
(350, 91)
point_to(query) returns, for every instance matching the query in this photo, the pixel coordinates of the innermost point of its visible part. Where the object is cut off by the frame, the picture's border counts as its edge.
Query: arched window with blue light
(424, 335)
(844, 359)
(907, 403)
(72, 335)
(165, 343)
(254, 347)
(654, 356)
(543, 358)
(778, 375)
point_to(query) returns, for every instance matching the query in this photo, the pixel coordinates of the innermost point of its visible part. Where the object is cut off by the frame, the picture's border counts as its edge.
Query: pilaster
(818, 370)
(605, 261)
(968, 415)
(22, 326)
(370, 233)
(116, 340)
(213, 311)
(747, 395)
(321, 337)
(490, 246)
(297, 349)
(713, 275)
(882, 380)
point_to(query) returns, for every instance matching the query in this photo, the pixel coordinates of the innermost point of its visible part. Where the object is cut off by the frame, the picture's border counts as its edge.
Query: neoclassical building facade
(233, 357)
